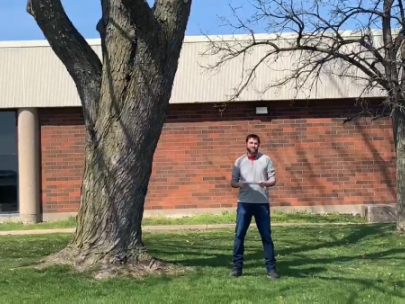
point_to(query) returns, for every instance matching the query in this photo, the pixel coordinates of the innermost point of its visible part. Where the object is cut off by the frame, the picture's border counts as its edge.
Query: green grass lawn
(225, 218)
(318, 264)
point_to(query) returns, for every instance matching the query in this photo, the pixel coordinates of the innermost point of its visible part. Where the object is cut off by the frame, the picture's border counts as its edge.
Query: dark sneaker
(272, 274)
(236, 272)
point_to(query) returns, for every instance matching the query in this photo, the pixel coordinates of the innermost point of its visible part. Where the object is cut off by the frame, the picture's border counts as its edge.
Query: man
(253, 173)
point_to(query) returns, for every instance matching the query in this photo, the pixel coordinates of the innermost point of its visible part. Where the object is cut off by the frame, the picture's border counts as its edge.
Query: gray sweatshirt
(253, 170)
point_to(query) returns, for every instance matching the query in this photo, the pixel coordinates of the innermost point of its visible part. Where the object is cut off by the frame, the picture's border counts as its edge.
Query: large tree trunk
(399, 138)
(124, 119)
(133, 106)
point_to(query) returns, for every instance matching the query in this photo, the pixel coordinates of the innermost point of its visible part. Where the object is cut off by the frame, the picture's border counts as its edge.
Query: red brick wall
(319, 160)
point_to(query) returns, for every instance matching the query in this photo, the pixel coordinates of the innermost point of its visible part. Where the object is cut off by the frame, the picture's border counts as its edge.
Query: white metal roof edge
(187, 39)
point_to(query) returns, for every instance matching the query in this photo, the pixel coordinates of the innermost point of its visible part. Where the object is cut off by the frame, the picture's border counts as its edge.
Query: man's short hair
(253, 136)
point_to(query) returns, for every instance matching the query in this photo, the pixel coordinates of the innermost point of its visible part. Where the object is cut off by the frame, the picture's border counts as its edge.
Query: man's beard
(252, 150)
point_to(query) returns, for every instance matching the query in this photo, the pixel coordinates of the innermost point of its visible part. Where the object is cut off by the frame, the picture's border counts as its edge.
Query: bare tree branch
(314, 33)
(390, 67)
(141, 13)
(142, 17)
(69, 45)
(400, 45)
(164, 19)
(80, 60)
(169, 12)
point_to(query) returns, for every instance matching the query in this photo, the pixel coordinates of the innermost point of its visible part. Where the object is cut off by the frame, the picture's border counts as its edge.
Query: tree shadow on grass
(296, 254)
(212, 244)
(355, 286)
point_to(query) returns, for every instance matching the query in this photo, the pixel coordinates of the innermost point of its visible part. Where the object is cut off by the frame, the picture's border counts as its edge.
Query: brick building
(322, 163)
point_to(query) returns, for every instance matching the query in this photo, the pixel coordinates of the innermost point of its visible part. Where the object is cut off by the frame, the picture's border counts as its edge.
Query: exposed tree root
(109, 266)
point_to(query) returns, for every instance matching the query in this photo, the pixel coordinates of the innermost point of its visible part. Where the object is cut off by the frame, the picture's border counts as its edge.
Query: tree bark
(141, 47)
(399, 139)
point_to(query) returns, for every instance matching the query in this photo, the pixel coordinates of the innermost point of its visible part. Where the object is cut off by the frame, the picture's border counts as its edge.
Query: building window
(8, 162)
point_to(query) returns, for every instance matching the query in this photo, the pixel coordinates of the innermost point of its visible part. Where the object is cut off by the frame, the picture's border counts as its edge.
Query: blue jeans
(244, 213)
